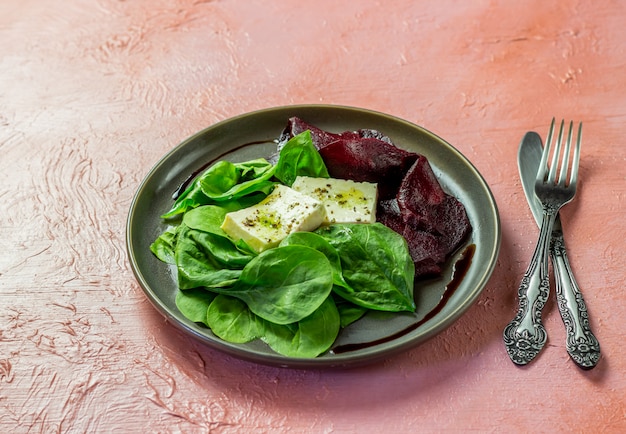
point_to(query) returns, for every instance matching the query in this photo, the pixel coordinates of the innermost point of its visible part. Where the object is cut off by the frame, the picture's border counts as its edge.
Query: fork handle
(525, 335)
(581, 344)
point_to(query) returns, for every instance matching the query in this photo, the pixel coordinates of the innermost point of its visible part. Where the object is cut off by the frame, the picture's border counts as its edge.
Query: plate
(440, 301)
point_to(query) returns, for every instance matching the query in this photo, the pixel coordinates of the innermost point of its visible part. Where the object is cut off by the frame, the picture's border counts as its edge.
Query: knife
(581, 344)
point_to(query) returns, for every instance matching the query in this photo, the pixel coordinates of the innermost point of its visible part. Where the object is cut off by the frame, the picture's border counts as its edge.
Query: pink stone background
(93, 93)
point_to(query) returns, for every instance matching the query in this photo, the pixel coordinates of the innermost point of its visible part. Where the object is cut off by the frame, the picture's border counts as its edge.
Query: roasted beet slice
(452, 223)
(425, 205)
(419, 195)
(368, 159)
(426, 250)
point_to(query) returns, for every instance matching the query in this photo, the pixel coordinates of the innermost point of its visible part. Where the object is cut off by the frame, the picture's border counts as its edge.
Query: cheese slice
(267, 223)
(346, 201)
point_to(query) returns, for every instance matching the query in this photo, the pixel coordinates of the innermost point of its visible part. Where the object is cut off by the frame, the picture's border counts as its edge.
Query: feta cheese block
(267, 223)
(346, 201)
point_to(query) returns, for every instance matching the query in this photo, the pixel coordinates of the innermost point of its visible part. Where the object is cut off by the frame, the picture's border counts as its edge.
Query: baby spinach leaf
(230, 319)
(376, 263)
(191, 198)
(309, 337)
(299, 157)
(319, 243)
(201, 258)
(225, 181)
(208, 218)
(163, 246)
(220, 177)
(254, 169)
(194, 304)
(348, 311)
(285, 284)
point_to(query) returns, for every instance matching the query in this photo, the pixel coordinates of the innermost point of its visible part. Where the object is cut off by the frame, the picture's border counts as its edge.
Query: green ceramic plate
(375, 336)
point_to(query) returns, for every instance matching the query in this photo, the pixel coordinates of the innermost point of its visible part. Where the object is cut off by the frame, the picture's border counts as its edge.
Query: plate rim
(335, 360)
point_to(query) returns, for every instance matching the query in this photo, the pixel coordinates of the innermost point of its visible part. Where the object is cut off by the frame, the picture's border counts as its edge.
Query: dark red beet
(411, 200)
(420, 195)
(426, 249)
(344, 158)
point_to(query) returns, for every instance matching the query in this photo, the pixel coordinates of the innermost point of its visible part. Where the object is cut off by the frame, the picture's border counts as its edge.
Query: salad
(297, 294)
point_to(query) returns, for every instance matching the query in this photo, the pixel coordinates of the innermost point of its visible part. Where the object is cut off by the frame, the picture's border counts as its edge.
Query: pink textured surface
(92, 94)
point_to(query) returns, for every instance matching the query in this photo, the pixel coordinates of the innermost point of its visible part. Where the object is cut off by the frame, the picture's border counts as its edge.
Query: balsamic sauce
(460, 271)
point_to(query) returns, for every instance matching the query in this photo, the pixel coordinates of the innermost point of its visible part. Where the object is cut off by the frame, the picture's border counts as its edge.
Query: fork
(525, 335)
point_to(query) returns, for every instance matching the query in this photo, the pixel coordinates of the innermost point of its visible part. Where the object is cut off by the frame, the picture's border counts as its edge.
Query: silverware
(581, 344)
(525, 335)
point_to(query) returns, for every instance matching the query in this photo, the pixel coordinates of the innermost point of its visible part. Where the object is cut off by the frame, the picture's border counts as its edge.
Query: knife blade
(581, 343)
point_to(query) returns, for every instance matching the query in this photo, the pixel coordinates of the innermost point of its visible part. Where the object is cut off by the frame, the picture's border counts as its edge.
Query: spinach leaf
(230, 319)
(254, 169)
(322, 245)
(299, 157)
(348, 311)
(205, 259)
(194, 303)
(225, 181)
(163, 246)
(376, 263)
(309, 337)
(285, 284)
(208, 218)
(191, 198)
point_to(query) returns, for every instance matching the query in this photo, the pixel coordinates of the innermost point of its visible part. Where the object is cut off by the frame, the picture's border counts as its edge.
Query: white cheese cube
(346, 201)
(267, 223)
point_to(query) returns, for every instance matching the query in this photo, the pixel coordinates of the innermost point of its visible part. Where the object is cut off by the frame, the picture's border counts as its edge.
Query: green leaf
(299, 157)
(376, 264)
(309, 337)
(208, 218)
(231, 320)
(225, 181)
(319, 243)
(254, 169)
(285, 284)
(220, 177)
(348, 311)
(163, 246)
(194, 303)
(202, 259)
(191, 198)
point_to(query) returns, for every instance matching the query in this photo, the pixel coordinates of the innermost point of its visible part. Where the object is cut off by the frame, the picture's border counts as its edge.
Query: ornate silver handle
(525, 335)
(581, 344)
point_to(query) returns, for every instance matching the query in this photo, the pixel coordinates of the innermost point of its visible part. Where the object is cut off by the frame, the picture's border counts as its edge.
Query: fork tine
(574, 174)
(542, 171)
(555, 156)
(566, 155)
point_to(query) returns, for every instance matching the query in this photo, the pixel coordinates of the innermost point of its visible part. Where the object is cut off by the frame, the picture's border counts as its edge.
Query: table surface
(93, 94)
